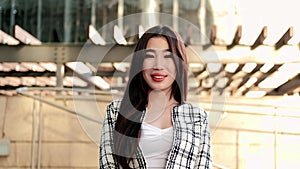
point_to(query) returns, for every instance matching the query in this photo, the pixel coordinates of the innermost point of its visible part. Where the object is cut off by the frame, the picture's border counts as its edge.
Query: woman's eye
(169, 56)
(149, 56)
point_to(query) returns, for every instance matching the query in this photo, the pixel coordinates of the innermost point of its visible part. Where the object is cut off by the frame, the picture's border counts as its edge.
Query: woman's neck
(160, 99)
(159, 109)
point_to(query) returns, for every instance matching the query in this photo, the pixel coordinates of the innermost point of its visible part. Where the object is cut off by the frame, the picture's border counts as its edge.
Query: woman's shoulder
(115, 104)
(192, 107)
(193, 111)
(113, 108)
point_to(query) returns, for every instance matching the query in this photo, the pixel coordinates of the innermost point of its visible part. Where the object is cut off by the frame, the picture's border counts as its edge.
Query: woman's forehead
(158, 42)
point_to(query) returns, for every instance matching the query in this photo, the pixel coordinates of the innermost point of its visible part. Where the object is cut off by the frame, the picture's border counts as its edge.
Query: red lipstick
(158, 77)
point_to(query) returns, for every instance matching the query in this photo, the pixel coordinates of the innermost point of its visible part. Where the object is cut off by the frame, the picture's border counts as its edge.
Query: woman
(152, 126)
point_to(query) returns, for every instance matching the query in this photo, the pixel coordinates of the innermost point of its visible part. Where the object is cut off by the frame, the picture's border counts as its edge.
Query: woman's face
(159, 70)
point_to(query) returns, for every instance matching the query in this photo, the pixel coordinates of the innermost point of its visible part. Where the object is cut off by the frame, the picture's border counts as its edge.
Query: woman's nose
(159, 63)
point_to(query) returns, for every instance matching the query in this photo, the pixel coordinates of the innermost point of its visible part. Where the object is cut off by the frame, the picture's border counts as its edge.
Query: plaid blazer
(191, 144)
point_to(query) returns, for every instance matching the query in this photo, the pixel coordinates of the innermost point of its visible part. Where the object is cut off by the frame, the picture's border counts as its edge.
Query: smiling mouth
(158, 77)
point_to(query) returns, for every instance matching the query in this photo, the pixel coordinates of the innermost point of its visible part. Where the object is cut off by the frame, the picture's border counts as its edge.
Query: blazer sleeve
(204, 160)
(106, 160)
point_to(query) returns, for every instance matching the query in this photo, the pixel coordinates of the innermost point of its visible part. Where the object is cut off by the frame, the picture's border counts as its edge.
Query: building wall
(261, 141)
(65, 144)
(241, 140)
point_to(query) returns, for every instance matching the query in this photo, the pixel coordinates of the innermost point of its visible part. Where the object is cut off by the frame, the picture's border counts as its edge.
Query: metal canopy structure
(223, 69)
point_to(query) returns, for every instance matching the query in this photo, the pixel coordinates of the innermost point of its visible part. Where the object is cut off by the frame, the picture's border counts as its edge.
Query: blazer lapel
(186, 144)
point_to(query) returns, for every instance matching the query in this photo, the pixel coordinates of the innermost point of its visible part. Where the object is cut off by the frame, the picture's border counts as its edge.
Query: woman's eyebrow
(154, 51)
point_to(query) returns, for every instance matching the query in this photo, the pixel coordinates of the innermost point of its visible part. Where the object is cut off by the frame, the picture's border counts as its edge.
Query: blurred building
(62, 62)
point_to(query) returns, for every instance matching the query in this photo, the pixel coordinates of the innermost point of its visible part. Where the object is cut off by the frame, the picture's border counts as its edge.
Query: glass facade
(67, 20)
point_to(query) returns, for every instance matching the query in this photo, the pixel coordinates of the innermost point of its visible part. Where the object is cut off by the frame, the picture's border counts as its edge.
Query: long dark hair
(135, 99)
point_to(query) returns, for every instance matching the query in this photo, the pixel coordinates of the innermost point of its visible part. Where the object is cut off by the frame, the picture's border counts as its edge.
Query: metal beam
(65, 53)
(285, 38)
(288, 87)
(25, 37)
(260, 39)
(28, 74)
(243, 54)
(237, 37)
(213, 34)
(262, 77)
(117, 53)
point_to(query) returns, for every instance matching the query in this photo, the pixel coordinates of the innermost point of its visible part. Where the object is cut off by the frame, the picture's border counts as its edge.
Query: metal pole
(275, 137)
(202, 15)
(150, 7)
(60, 75)
(41, 129)
(175, 15)
(120, 14)
(68, 21)
(33, 135)
(0, 17)
(12, 16)
(39, 20)
(21, 91)
(93, 13)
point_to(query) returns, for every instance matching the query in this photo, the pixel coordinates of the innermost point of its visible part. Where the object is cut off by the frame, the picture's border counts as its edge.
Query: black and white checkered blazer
(191, 144)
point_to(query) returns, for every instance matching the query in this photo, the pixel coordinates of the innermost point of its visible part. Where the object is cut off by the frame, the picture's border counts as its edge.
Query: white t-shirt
(155, 144)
